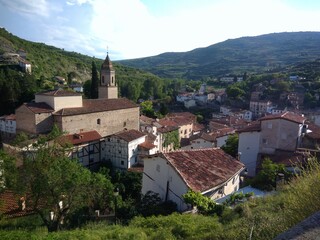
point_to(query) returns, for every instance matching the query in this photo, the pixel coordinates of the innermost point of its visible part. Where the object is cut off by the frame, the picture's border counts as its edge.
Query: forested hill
(264, 53)
(48, 61)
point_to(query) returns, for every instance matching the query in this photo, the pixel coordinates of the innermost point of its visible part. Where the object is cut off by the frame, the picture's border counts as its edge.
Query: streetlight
(115, 194)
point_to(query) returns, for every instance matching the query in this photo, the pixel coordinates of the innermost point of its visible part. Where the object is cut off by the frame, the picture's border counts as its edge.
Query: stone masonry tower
(108, 87)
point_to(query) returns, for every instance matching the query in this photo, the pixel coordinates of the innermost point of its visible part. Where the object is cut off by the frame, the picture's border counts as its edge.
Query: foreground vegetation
(263, 218)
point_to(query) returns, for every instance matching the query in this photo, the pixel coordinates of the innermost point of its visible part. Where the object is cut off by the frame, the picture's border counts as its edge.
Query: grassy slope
(266, 218)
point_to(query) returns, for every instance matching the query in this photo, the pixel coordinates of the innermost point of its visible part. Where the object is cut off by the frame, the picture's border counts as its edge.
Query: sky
(129, 29)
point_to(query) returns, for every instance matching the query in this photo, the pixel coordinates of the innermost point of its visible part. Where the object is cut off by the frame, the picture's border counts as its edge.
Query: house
(60, 80)
(8, 126)
(268, 135)
(121, 149)
(72, 114)
(190, 103)
(201, 140)
(211, 172)
(221, 135)
(25, 65)
(166, 143)
(259, 107)
(84, 146)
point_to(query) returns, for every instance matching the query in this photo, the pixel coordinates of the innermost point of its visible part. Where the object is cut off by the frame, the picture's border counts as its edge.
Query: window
(124, 124)
(122, 163)
(99, 121)
(119, 151)
(91, 160)
(269, 125)
(102, 79)
(112, 80)
(264, 141)
(91, 149)
(185, 131)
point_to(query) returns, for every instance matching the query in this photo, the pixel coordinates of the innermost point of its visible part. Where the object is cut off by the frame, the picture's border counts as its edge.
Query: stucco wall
(25, 120)
(59, 102)
(279, 134)
(156, 175)
(110, 121)
(249, 149)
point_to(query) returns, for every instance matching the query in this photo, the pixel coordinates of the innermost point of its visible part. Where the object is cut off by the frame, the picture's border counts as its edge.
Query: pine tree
(94, 82)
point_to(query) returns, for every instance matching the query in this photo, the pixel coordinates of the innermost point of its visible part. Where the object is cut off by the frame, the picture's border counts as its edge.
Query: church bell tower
(108, 87)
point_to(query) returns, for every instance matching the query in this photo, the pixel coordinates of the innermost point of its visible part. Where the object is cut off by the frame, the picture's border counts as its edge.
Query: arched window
(102, 79)
(99, 121)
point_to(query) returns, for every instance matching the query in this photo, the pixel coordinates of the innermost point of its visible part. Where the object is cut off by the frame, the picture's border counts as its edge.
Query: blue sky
(142, 28)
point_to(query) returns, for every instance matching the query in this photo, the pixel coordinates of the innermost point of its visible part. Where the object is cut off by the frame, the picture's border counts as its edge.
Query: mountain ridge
(262, 53)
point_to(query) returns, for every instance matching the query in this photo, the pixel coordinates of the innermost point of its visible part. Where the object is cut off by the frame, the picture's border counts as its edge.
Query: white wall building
(209, 171)
(122, 148)
(8, 125)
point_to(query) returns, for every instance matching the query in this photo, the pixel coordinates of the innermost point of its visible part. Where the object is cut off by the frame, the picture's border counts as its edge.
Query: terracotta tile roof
(147, 145)
(9, 205)
(167, 129)
(204, 136)
(293, 117)
(40, 107)
(185, 115)
(59, 92)
(80, 138)
(11, 117)
(252, 127)
(198, 127)
(165, 122)
(130, 135)
(97, 105)
(146, 120)
(204, 169)
(288, 159)
(222, 132)
(315, 131)
(216, 125)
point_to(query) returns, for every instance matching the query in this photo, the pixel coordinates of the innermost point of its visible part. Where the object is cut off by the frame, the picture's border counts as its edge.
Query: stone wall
(105, 123)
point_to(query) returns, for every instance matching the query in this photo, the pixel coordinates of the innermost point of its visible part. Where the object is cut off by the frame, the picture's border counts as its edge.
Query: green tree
(8, 171)
(231, 145)
(147, 108)
(57, 186)
(234, 92)
(94, 81)
(203, 203)
(87, 89)
(267, 176)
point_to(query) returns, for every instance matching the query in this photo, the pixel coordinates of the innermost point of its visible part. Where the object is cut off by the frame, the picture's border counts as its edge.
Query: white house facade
(209, 171)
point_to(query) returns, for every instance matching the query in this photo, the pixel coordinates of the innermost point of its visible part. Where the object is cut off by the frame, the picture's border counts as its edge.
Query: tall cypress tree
(94, 81)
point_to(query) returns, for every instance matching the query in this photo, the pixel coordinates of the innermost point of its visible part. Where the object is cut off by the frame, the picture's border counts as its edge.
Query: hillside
(263, 53)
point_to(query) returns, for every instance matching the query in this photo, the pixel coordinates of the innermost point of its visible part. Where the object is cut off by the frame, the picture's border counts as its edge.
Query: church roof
(107, 64)
(59, 92)
(40, 107)
(97, 105)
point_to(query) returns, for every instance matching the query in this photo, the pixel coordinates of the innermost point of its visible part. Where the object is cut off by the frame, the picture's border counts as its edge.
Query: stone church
(72, 114)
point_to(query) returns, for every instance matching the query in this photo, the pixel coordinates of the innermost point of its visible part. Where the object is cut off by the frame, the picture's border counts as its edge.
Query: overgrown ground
(263, 218)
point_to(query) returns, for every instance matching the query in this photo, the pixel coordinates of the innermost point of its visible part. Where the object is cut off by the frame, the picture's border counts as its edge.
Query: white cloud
(29, 7)
(128, 27)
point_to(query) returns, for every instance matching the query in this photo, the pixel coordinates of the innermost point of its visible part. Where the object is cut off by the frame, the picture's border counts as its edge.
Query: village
(176, 153)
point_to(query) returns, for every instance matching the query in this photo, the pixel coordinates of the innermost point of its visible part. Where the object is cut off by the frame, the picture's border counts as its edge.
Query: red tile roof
(204, 136)
(9, 205)
(252, 127)
(147, 145)
(11, 117)
(80, 138)
(167, 129)
(293, 117)
(59, 92)
(203, 169)
(315, 131)
(98, 105)
(40, 107)
(130, 135)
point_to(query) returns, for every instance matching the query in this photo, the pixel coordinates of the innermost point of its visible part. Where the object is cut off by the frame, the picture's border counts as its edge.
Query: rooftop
(80, 138)
(203, 169)
(40, 107)
(97, 105)
(130, 135)
(290, 116)
(59, 93)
